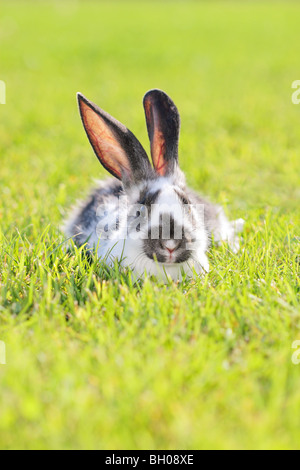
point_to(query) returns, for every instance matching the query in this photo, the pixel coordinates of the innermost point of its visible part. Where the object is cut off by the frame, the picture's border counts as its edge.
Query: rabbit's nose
(171, 245)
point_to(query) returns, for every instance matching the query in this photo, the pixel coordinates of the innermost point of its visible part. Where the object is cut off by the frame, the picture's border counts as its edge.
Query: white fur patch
(130, 250)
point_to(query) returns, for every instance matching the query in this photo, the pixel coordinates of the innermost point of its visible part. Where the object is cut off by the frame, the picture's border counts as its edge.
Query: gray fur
(84, 217)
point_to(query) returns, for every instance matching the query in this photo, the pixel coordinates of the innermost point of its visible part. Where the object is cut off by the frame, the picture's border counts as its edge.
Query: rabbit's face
(173, 246)
(168, 229)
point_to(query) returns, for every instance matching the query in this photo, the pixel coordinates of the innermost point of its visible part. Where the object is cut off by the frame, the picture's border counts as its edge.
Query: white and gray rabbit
(145, 216)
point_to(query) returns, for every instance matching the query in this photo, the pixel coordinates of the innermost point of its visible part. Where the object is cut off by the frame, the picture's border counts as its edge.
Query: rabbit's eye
(143, 211)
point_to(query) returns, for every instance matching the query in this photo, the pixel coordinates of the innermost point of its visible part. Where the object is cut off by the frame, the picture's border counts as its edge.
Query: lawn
(93, 359)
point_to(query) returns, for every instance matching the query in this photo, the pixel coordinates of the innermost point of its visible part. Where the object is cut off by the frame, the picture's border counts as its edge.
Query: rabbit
(146, 217)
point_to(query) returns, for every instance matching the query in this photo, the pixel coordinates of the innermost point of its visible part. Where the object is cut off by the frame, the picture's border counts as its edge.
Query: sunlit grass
(94, 358)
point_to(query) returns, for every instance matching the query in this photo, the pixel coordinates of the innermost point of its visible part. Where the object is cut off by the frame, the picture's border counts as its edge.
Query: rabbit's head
(164, 229)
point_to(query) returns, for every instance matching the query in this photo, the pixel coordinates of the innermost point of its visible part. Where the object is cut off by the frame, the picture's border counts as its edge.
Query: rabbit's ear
(116, 147)
(163, 124)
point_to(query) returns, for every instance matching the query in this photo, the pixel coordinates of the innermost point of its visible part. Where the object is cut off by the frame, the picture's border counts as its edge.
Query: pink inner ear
(158, 149)
(158, 144)
(104, 142)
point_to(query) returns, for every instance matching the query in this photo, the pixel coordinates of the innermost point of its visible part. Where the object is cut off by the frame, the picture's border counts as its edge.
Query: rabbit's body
(150, 221)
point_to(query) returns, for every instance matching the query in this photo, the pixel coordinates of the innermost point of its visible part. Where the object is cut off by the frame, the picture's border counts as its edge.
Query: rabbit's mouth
(176, 271)
(157, 263)
(170, 243)
(165, 257)
(170, 263)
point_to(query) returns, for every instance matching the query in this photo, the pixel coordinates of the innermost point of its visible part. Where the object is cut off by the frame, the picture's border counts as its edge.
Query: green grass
(94, 360)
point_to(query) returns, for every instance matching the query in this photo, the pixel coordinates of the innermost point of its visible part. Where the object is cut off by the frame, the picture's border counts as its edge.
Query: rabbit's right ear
(117, 149)
(163, 124)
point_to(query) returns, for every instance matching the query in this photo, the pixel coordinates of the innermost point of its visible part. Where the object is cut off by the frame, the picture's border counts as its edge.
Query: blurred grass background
(199, 365)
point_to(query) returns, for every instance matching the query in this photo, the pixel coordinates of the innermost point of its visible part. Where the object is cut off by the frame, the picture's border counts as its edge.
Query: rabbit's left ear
(117, 149)
(163, 124)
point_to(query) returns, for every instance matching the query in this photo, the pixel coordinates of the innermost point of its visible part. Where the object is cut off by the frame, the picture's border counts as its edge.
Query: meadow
(94, 359)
